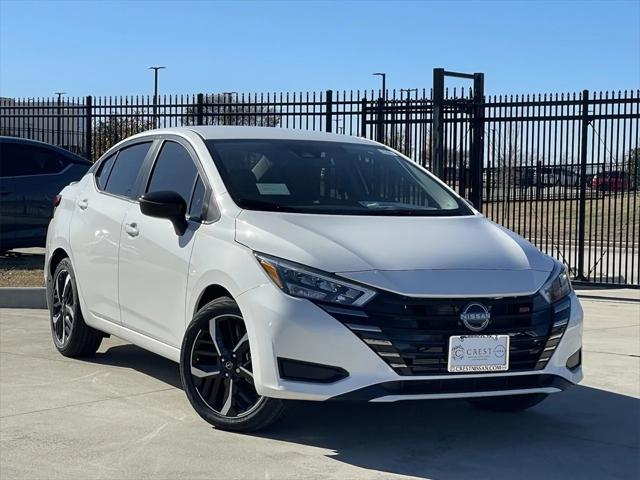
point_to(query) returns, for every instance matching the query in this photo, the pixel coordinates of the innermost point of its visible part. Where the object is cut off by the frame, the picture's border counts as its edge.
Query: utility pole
(155, 94)
(408, 90)
(58, 119)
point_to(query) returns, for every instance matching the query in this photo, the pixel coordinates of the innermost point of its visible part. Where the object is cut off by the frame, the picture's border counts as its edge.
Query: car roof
(36, 143)
(259, 133)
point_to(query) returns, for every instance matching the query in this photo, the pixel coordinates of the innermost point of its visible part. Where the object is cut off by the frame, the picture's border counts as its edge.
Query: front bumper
(281, 326)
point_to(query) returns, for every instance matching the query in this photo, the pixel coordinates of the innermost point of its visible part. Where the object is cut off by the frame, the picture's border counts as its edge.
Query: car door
(28, 183)
(96, 226)
(11, 200)
(154, 260)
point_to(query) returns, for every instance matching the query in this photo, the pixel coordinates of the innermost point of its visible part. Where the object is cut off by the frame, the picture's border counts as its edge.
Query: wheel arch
(210, 293)
(56, 257)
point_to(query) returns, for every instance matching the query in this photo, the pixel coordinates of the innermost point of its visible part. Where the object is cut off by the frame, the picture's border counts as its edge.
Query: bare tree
(225, 109)
(112, 129)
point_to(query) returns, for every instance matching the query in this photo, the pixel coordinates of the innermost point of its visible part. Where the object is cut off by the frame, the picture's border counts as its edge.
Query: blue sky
(104, 47)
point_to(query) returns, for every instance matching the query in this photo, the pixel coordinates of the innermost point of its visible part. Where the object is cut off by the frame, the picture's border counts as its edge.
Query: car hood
(417, 256)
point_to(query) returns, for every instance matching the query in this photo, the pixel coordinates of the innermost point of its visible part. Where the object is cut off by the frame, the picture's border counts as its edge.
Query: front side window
(197, 200)
(122, 179)
(328, 178)
(174, 170)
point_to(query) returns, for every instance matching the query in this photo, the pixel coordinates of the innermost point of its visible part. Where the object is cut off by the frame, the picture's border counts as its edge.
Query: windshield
(328, 178)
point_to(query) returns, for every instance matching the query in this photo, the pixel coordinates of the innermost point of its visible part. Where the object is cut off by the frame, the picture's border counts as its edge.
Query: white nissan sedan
(275, 264)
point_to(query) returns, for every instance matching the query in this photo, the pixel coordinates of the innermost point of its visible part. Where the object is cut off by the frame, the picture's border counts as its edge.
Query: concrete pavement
(121, 414)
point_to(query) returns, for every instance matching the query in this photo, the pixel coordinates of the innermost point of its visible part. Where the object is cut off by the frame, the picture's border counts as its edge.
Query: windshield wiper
(401, 212)
(264, 205)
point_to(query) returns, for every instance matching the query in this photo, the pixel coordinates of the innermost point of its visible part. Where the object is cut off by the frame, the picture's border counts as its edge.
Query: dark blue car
(31, 175)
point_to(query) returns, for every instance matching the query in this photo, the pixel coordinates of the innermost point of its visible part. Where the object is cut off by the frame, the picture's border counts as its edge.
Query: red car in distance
(615, 181)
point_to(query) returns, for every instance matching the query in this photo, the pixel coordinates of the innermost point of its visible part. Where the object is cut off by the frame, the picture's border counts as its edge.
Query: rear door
(154, 260)
(96, 226)
(11, 201)
(29, 179)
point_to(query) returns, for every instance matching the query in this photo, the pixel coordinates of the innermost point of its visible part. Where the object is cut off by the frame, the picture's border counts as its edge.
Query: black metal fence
(562, 170)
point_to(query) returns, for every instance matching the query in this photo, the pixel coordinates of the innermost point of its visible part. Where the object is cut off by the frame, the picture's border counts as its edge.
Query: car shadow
(143, 361)
(582, 433)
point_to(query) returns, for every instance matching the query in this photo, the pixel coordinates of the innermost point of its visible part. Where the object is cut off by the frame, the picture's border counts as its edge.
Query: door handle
(132, 229)
(83, 204)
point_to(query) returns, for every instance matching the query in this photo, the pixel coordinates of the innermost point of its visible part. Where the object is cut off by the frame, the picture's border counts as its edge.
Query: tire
(508, 403)
(72, 337)
(216, 371)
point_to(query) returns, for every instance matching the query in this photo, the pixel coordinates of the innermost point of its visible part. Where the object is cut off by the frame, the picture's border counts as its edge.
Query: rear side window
(174, 170)
(17, 160)
(102, 175)
(124, 172)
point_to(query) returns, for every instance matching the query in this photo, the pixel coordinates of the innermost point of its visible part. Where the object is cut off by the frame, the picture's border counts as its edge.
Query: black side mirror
(166, 204)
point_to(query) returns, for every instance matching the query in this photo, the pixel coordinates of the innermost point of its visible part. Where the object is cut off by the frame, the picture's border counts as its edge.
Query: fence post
(363, 119)
(380, 121)
(584, 119)
(437, 158)
(88, 125)
(200, 110)
(328, 110)
(477, 149)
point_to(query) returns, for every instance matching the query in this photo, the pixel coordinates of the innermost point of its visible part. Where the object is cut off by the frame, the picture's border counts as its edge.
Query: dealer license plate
(478, 353)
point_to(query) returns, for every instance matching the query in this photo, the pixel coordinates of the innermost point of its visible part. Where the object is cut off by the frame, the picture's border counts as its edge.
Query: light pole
(380, 134)
(155, 94)
(228, 97)
(58, 127)
(384, 83)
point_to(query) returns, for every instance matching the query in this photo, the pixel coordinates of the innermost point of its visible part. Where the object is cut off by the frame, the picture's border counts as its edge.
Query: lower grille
(412, 335)
(476, 386)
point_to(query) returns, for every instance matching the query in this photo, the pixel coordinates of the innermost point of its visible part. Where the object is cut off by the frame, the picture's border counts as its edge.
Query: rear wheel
(508, 403)
(217, 374)
(71, 335)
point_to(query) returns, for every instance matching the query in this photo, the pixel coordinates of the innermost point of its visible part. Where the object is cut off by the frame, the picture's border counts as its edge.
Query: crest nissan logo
(475, 317)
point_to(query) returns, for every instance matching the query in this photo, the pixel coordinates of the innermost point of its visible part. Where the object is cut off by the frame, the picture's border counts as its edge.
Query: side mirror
(166, 204)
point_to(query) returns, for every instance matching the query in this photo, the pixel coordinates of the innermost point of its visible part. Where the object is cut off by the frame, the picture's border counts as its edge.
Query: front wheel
(217, 374)
(508, 403)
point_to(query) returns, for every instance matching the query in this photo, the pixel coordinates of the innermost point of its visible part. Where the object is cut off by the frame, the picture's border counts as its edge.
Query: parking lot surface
(122, 415)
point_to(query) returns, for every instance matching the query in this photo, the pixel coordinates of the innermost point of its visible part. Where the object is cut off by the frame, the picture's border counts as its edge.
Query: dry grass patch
(21, 270)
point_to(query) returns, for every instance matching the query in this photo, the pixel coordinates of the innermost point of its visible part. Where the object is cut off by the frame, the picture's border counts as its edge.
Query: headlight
(558, 286)
(305, 282)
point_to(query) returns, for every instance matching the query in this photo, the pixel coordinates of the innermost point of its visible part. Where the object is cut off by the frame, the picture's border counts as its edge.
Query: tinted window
(102, 175)
(174, 170)
(197, 200)
(19, 160)
(124, 173)
(328, 178)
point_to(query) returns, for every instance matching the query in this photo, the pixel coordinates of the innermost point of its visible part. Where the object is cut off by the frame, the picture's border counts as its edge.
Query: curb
(588, 296)
(23, 297)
